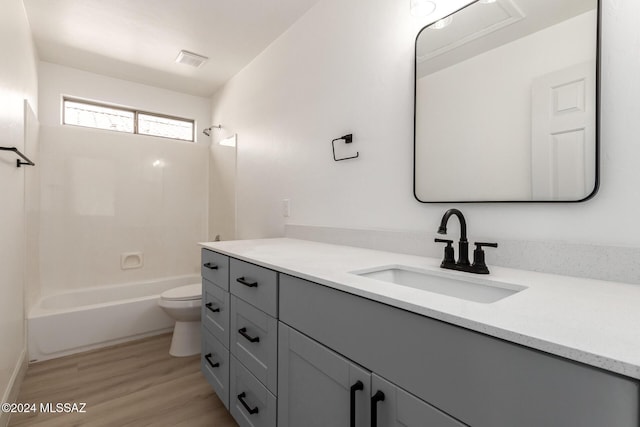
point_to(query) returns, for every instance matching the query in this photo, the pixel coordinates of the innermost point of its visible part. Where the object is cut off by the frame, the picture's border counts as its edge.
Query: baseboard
(15, 383)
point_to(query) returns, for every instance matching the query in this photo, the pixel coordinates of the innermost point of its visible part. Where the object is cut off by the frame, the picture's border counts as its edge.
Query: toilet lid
(183, 293)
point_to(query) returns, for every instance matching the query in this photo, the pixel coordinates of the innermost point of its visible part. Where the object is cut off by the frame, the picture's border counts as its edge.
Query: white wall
(347, 66)
(499, 132)
(106, 193)
(18, 81)
(57, 81)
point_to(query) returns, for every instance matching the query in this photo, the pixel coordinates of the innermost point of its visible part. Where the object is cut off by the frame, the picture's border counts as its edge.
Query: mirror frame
(597, 117)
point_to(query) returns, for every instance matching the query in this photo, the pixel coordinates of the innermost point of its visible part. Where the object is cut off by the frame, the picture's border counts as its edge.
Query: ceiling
(482, 27)
(139, 40)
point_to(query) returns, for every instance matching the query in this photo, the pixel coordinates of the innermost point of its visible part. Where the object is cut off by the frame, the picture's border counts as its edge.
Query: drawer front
(215, 268)
(480, 380)
(256, 285)
(254, 341)
(215, 365)
(216, 311)
(251, 404)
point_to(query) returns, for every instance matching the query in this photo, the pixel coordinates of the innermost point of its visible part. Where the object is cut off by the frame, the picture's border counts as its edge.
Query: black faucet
(462, 264)
(463, 244)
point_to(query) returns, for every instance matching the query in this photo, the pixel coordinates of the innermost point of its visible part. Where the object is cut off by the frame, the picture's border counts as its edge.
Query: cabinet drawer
(254, 341)
(216, 311)
(215, 365)
(256, 285)
(215, 268)
(251, 404)
(480, 380)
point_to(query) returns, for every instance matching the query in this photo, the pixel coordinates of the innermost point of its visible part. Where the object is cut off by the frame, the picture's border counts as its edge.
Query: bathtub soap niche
(131, 260)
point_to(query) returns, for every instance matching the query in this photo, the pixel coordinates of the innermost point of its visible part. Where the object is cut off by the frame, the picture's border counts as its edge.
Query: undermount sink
(471, 288)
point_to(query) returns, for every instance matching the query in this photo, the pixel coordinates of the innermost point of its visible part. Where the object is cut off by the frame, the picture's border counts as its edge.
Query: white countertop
(590, 321)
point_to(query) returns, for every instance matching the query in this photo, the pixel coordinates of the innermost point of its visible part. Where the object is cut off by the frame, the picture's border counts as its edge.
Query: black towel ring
(348, 139)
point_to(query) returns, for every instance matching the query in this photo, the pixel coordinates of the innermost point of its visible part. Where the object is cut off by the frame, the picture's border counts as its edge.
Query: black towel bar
(18, 161)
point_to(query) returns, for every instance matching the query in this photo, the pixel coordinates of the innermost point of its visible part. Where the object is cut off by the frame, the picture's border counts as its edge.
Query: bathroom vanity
(299, 333)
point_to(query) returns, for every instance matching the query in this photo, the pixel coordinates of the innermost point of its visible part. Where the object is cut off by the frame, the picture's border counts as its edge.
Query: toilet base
(186, 339)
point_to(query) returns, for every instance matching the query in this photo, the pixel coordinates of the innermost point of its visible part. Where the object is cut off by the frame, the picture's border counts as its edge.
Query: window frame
(135, 112)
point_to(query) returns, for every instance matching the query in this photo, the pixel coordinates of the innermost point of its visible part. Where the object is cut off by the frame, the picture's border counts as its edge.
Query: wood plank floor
(131, 384)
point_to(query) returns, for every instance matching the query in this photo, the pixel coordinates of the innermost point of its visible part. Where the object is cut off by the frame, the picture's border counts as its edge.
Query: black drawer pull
(211, 266)
(209, 305)
(378, 397)
(208, 358)
(243, 332)
(251, 411)
(244, 282)
(357, 386)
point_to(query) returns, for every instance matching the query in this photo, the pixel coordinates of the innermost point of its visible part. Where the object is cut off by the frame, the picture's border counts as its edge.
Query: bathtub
(75, 321)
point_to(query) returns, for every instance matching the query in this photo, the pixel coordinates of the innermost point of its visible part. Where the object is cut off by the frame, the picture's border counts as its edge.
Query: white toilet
(183, 304)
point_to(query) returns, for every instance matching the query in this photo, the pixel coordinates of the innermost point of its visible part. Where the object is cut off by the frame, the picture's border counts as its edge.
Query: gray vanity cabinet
(240, 337)
(215, 317)
(315, 384)
(253, 344)
(316, 343)
(476, 379)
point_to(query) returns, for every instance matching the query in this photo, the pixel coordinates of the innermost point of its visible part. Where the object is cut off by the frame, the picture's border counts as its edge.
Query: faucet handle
(449, 257)
(447, 241)
(479, 245)
(479, 265)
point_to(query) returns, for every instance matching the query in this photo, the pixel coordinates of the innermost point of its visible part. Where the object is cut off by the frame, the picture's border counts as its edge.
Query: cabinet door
(315, 385)
(391, 406)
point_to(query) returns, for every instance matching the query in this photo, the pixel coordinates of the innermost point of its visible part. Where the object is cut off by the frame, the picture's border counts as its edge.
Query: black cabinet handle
(209, 305)
(208, 358)
(211, 266)
(378, 397)
(243, 332)
(244, 282)
(357, 386)
(251, 411)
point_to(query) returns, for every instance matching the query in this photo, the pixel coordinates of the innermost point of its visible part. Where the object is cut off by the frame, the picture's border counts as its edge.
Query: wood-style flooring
(131, 384)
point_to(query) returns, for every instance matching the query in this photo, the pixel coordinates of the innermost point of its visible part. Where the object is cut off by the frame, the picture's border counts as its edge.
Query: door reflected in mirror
(506, 103)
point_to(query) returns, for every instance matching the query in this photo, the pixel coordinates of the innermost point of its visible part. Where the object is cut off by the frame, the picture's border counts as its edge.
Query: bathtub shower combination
(80, 320)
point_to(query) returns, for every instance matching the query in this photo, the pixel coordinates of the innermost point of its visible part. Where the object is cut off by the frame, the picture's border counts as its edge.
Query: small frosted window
(97, 116)
(166, 127)
(93, 115)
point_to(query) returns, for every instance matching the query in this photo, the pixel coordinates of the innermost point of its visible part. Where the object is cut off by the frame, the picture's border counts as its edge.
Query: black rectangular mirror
(506, 103)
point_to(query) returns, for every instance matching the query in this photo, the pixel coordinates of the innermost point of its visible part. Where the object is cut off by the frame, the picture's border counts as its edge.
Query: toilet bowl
(183, 304)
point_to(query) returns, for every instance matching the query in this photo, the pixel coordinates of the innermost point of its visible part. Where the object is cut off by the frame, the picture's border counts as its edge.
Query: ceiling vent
(191, 59)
